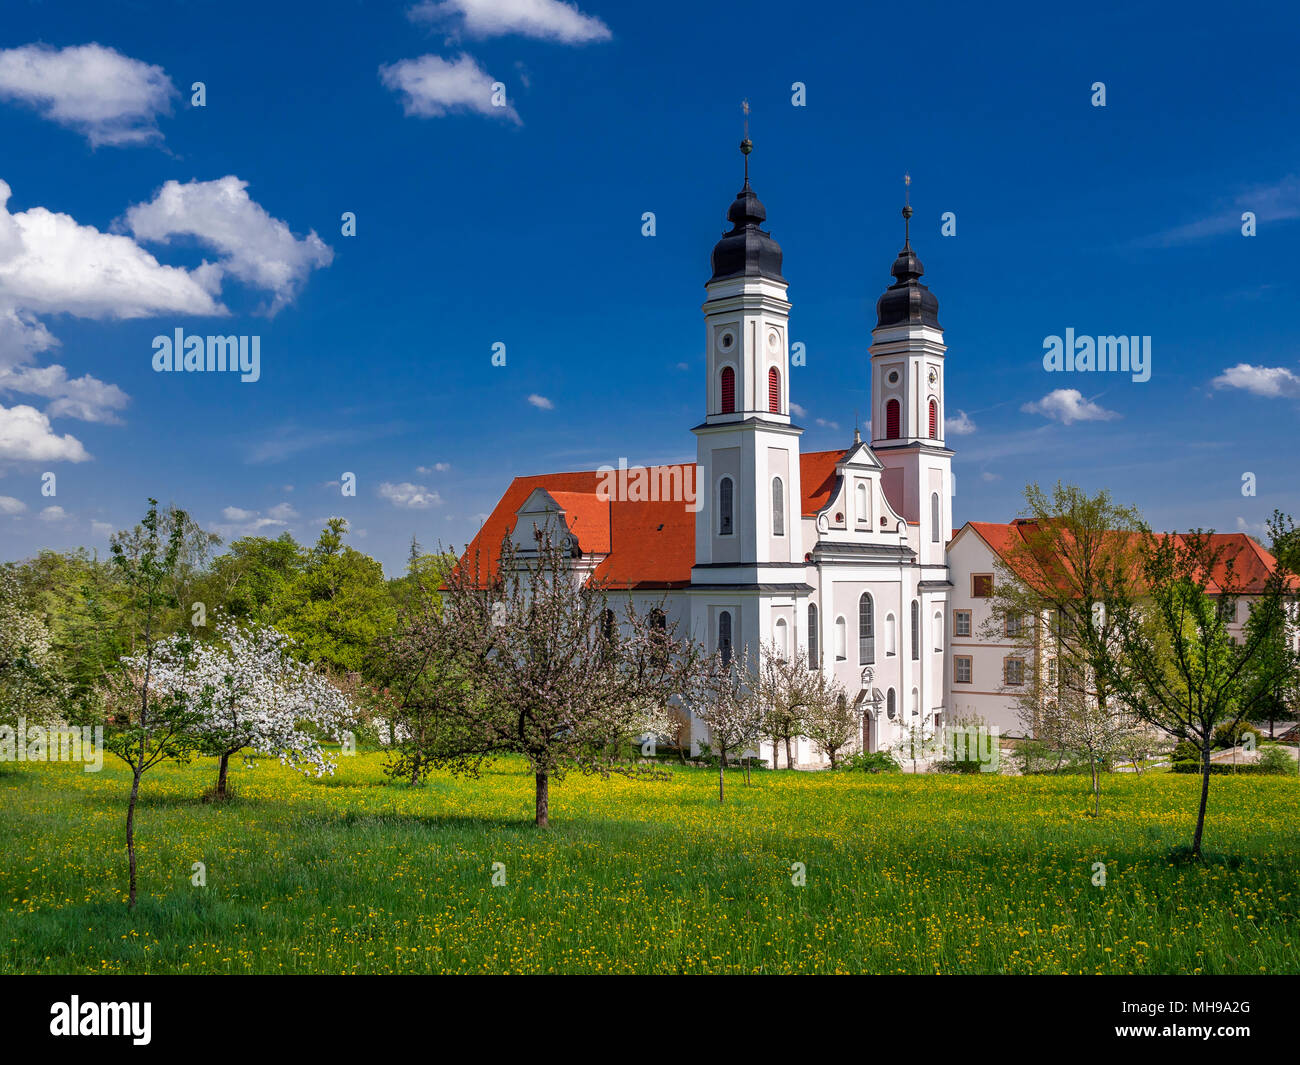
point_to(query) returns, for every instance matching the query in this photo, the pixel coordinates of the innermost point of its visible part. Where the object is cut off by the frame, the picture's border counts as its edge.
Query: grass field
(904, 874)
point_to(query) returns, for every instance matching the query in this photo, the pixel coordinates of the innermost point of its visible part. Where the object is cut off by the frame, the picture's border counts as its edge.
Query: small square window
(981, 585)
(1013, 672)
(1014, 626)
(961, 622)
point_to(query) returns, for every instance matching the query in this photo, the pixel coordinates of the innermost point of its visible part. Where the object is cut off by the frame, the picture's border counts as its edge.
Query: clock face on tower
(934, 375)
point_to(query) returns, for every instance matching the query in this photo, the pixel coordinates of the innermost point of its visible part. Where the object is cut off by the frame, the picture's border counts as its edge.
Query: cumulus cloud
(240, 521)
(1067, 405)
(1273, 382)
(431, 87)
(52, 513)
(255, 248)
(548, 20)
(26, 436)
(825, 424)
(962, 425)
(10, 505)
(437, 467)
(107, 97)
(798, 411)
(101, 528)
(410, 496)
(541, 402)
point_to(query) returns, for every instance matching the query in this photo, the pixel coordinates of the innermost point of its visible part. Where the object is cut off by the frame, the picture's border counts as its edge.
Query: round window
(725, 341)
(893, 377)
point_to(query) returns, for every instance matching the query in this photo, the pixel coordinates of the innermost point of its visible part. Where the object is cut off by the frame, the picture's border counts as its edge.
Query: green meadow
(797, 872)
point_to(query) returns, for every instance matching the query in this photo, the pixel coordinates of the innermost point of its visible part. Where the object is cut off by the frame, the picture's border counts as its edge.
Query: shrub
(1229, 735)
(1186, 751)
(1274, 759)
(872, 762)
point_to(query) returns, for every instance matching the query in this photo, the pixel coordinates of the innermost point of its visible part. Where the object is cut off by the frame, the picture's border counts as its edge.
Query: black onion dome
(746, 250)
(907, 300)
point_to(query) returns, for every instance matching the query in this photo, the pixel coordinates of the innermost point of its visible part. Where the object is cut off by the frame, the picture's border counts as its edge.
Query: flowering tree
(551, 672)
(30, 685)
(726, 697)
(249, 692)
(783, 683)
(829, 719)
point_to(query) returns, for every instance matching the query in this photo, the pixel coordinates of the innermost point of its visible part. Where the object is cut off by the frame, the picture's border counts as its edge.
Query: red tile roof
(1252, 564)
(646, 544)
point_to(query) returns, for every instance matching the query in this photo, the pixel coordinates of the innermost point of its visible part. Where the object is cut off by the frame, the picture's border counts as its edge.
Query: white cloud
(823, 423)
(411, 496)
(541, 402)
(437, 467)
(989, 478)
(282, 512)
(1067, 405)
(50, 264)
(106, 96)
(86, 397)
(10, 505)
(52, 514)
(1269, 381)
(238, 514)
(26, 436)
(255, 248)
(432, 87)
(548, 20)
(240, 521)
(798, 411)
(1275, 202)
(962, 425)
(101, 528)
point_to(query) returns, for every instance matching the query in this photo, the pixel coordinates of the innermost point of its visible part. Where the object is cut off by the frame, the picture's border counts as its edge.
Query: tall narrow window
(782, 639)
(891, 419)
(864, 509)
(659, 635)
(725, 506)
(728, 390)
(778, 507)
(916, 630)
(814, 646)
(841, 640)
(934, 518)
(891, 704)
(934, 420)
(724, 637)
(866, 630)
(938, 632)
(774, 390)
(891, 644)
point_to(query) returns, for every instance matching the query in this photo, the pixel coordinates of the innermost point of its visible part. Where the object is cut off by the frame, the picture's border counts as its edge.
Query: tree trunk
(722, 765)
(747, 771)
(1205, 794)
(543, 800)
(832, 757)
(1096, 788)
(221, 775)
(130, 836)
(789, 761)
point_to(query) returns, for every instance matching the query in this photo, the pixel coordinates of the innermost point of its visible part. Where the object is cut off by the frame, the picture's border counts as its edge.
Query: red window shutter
(774, 391)
(891, 420)
(728, 390)
(934, 420)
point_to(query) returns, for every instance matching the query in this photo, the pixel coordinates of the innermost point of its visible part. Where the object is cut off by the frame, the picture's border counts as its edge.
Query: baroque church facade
(845, 558)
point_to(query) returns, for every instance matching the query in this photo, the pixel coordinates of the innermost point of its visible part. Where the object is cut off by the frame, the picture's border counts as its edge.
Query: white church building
(846, 558)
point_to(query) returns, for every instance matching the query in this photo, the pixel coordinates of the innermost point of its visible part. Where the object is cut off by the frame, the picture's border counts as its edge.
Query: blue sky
(132, 213)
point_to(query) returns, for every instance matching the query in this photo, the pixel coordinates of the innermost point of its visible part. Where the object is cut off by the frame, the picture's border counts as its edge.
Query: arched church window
(728, 390)
(916, 631)
(841, 640)
(774, 390)
(726, 504)
(778, 507)
(782, 640)
(934, 419)
(814, 656)
(891, 704)
(866, 630)
(891, 419)
(724, 637)
(934, 518)
(891, 636)
(864, 509)
(938, 632)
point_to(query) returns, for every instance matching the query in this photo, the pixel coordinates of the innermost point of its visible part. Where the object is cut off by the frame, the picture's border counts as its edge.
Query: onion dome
(907, 300)
(746, 250)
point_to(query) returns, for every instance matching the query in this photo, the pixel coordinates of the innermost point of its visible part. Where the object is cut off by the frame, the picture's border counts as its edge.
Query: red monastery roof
(1252, 564)
(647, 544)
